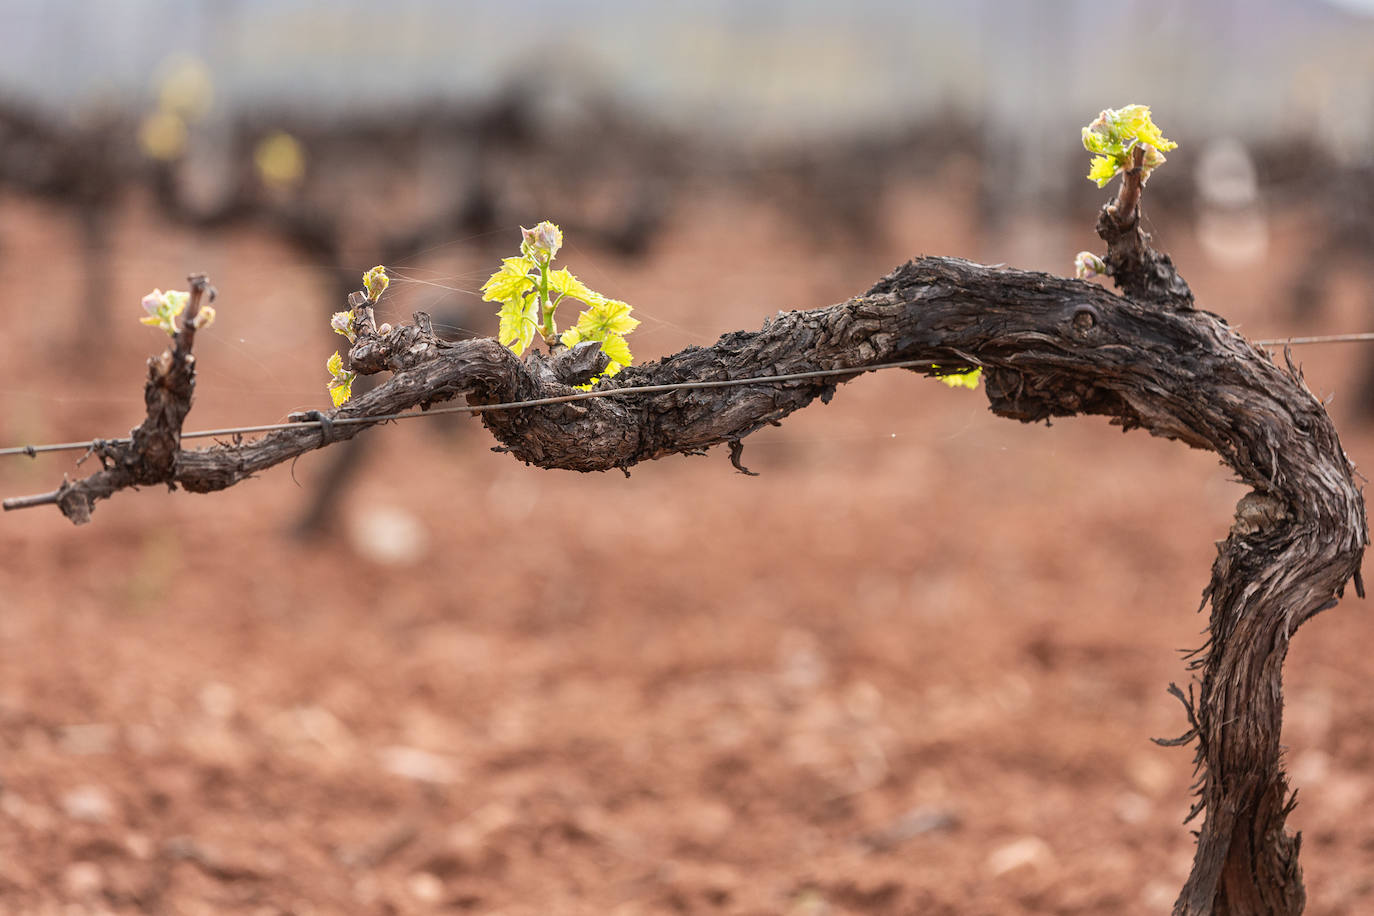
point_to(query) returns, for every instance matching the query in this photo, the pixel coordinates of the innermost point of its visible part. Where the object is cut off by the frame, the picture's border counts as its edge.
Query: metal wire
(1329, 338)
(33, 450)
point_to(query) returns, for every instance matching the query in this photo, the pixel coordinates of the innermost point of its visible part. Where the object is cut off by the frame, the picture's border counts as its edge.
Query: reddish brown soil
(912, 668)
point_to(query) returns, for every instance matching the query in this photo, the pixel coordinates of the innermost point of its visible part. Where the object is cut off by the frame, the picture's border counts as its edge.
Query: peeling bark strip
(1050, 347)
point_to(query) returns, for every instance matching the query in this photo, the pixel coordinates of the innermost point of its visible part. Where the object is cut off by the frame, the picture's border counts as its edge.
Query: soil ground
(913, 667)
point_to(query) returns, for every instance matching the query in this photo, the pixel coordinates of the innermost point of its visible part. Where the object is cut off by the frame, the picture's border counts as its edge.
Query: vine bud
(342, 323)
(376, 282)
(542, 242)
(1087, 265)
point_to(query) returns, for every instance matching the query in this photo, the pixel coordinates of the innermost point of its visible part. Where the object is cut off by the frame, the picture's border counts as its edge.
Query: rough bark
(1049, 347)
(1145, 274)
(150, 455)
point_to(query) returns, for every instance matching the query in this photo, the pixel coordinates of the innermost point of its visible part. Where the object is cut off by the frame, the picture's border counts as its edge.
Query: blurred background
(911, 668)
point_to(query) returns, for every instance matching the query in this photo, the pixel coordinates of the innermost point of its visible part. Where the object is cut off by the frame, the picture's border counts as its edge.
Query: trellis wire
(1329, 338)
(34, 450)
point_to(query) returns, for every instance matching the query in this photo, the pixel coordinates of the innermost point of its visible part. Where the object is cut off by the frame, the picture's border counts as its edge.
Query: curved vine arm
(1049, 347)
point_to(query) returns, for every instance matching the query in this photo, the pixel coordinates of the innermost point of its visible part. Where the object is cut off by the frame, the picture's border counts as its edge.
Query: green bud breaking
(164, 307)
(542, 242)
(1087, 265)
(376, 281)
(342, 323)
(1115, 133)
(340, 380)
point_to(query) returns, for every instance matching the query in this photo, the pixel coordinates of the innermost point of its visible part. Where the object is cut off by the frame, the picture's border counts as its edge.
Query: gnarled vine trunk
(1048, 347)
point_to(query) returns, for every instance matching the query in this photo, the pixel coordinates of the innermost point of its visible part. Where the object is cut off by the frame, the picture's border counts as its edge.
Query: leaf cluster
(340, 381)
(164, 308)
(375, 282)
(1115, 134)
(530, 290)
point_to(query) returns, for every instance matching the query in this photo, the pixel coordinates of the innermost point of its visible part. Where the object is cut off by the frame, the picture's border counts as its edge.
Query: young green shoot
(164, 308)
(1121, 140)
(1114, 136)
(375, 282)
(530, 291)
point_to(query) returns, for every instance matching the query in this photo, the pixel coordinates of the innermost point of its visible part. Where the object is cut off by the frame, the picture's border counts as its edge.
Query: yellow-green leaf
(966, 379)
(615, 346)
(1102, 170)
(606, 317)
(340, 391)
(511, 281)
(341, 380)
(1136, 124)
(1093, 141)
(518, 322)
(562, 281)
